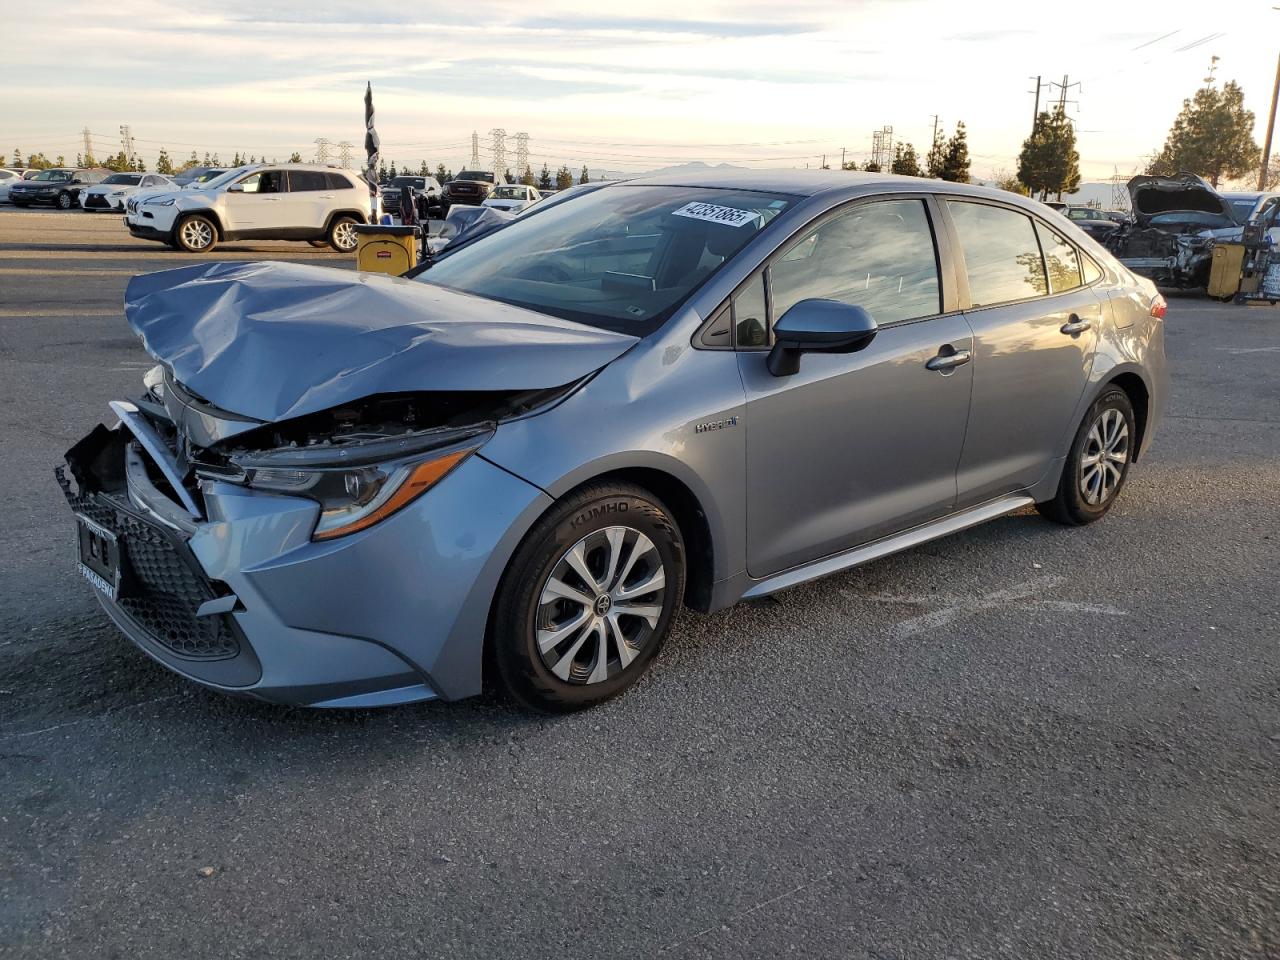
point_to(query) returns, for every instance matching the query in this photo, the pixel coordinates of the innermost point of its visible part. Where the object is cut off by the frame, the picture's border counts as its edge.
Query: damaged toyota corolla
(342, 489)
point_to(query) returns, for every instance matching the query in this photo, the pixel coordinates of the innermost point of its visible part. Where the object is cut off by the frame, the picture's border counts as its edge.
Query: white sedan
(111, 194)
(7, 179)
(513, 197)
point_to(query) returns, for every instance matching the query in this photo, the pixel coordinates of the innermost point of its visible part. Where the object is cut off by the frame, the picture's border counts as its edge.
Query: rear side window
(878, 255)
(1001, 254)
(304, 180)
(336, 181)
(1060, 259)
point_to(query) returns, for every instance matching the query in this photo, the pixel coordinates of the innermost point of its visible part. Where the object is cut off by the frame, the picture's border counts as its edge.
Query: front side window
(1001, 254)
(623, 257)
(268, 181)
(1060, 259)
(878, 255)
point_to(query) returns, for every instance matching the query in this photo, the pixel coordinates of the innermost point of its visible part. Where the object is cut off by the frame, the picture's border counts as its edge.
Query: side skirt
(882, 548)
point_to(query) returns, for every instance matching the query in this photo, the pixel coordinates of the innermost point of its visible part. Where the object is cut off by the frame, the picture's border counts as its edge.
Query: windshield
(129, 179)
(217, 178)
(622, 258)
(1191, 217)
(58, 175)
(509, 193)
(408, 182)
(474, 175)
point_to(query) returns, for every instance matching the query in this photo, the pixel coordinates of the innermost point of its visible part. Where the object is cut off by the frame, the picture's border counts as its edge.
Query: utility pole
(842, 165)
(126, 143)
(1271, 129)
(1035, 114)
(935, 131)
(1062, 95)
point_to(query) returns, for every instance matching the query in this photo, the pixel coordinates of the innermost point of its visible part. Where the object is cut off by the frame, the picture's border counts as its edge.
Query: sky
(625, 88)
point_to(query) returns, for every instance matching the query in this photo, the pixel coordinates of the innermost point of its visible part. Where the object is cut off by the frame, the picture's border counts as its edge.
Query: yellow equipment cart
(1225, 271)
(382, 248)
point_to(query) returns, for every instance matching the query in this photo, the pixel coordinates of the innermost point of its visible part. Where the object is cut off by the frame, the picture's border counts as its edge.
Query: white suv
(260, 202)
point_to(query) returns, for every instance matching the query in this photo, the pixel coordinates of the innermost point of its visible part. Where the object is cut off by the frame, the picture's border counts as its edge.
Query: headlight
(356, 497)
(166, 202)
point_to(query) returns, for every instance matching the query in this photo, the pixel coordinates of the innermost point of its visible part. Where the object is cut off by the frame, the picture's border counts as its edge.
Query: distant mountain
(680, 169)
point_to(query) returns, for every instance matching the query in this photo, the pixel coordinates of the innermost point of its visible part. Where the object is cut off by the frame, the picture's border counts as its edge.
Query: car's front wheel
(588, 598)
(65, 201)
(342, 234)
(195, 234)
(1098, 463)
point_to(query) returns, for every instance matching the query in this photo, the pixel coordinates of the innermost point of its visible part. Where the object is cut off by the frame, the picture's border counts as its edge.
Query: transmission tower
(126, 143)
(88, 144)
(882, 147)
(522, 153)
(322, 149)
(475, 150)
(345, 149)
(499, 151)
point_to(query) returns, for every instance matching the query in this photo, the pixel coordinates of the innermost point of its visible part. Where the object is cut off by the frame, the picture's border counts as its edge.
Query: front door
(854, 446)
(260, 204)
(1035, 329)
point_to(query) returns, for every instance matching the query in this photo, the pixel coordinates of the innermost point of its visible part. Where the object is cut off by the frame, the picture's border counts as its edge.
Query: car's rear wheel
(588, 598)
(1098, 463)
(65, 201)
(342, 234)
(195, 234)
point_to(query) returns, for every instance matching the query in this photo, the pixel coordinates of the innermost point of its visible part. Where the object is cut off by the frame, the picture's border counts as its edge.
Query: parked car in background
(1247, 207)
(1055, 205)
(1171, 236)
(471, 187)
(349, 490)
(1091, 220)
(7, 179)
(513, 197)
(58, 187)
(259, 202)
(197, 175)
(425, 192)
(111, 194)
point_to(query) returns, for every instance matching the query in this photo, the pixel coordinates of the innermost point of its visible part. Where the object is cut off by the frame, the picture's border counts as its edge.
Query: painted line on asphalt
(46, 272)
(55, 312)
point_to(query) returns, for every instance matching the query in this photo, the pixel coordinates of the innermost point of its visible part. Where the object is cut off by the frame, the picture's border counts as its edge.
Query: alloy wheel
(1103, 457)
(196, 234)
(600, 605)
(344, 235)
(64, 201)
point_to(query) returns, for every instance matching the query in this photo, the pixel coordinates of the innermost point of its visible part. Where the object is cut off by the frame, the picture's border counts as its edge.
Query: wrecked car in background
(1176, 222)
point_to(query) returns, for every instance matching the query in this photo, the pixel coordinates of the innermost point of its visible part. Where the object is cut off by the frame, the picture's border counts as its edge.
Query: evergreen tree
(871, 167)
(17, 157)
(508, 177)
(564, 178)
(442, 175)
(955, 158)
(586, 176)
(544, 178)
(208, 161)
(216, 161)
(905, 162)
(393, 173)
(1049, 161)
(383, 176)
(1211, 137)
(163, 163)
(936, 157)
(39, 161)
(79, 160)
(295, 157)
(90, 160)
(423, 169)
(193, 161)
(61, 161)
(527, 177)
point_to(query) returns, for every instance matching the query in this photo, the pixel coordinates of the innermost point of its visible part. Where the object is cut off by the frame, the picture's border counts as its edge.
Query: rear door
(310, 198)
(1035, 329)
(853, 446)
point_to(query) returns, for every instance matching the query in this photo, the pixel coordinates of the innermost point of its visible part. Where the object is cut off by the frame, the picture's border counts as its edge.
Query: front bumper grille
(163, 586)
(96, 201)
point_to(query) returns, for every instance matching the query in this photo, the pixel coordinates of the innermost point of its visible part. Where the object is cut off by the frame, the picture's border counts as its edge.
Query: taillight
(1158, 307)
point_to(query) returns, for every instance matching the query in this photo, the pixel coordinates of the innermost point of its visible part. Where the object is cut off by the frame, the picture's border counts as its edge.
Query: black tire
(1070, 505)
(17, 204)
(521, 669)
(65, 201)
(341, 237)
(195, 233)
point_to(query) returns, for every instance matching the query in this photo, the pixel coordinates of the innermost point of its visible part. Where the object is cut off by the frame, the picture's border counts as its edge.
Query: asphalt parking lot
(1020, 741)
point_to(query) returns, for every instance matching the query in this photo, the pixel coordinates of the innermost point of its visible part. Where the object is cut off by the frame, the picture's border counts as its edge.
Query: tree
(295, 157)
(544, 178)
(936, 157)
(955, 158)
(90, 160)
(17, 157)
(442, 175)
(61, 161)
(39, 161)
(423, 169)
(527, 177)
(586, 176)
(1211, 137)
(564, 179)
(393, 172)
(1049, 161)
(163, 163)
(905, 162)
(871, 167)
(508, 177)
(1007, 181)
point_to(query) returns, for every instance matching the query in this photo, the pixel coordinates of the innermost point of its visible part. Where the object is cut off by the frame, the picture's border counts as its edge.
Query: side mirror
(236, 188)
(818, 326)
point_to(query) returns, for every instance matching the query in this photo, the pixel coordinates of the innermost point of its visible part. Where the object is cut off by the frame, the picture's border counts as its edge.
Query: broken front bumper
(243, 601)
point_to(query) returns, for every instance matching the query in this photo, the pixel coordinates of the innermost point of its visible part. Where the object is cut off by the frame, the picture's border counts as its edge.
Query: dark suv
(426, 194)
(59, 187)
(470, 187)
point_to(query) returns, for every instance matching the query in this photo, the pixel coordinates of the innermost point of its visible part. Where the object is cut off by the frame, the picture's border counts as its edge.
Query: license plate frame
(101, 560)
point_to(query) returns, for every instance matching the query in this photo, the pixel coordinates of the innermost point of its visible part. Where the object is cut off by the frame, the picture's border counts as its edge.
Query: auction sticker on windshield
(729, 216)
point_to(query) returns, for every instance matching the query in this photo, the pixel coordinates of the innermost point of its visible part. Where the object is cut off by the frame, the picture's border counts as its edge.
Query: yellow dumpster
(381, 248)
(1224, 274)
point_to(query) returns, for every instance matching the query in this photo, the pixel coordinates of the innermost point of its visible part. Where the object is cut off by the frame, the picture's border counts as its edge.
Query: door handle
(949, 361)
(1075, 325)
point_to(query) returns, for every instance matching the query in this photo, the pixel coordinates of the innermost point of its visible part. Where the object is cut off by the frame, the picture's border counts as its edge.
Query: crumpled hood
(1150, 195)
(274, 341)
